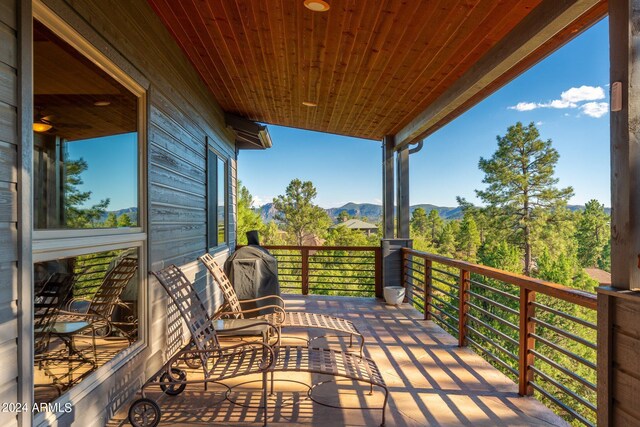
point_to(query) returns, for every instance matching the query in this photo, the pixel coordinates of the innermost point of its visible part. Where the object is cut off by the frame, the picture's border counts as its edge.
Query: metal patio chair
(98, 312)
(51, 295)
(280, 317)
(220, 363)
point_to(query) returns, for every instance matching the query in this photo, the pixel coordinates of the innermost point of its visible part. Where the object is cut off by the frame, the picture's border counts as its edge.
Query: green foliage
(124, 220)
(111, 221)
(248, 219)
(434, 225)
(502, 255)
(419, 222)
(522, 185)
(468, 238)
(343, 216)
(75, 215)
(300, 217)
(592, 234)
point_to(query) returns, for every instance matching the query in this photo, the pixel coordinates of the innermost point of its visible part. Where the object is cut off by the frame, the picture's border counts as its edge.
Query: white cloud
(524, 106)
(539, 123)
(558, 103)
(259, 201)
(571, 98)
(595, 109)
(582, 93)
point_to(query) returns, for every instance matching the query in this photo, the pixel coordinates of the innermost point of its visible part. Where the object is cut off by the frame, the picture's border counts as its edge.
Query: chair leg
(264, 396)
(271, 385)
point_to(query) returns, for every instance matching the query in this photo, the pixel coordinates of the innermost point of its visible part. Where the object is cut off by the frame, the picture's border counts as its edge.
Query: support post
(305, 271)
(527, 342)
(463, 297)
(403, 194)
(378, 273)
(427, 288)
(388, 180)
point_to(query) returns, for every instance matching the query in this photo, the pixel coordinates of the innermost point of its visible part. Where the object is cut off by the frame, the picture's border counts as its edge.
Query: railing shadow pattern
(542, 335)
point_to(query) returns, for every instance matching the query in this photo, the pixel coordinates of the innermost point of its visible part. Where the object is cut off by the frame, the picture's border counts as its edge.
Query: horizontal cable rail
(540, 334)
(329, 270)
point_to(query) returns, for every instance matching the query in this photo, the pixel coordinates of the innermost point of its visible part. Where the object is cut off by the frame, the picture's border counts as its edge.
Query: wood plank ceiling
(370, 66)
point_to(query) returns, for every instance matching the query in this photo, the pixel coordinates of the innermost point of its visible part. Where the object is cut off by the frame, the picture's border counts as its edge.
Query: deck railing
(540, 334)
(329, 270)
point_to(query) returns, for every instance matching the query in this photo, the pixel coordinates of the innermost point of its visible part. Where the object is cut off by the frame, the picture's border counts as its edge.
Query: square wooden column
(388, 180)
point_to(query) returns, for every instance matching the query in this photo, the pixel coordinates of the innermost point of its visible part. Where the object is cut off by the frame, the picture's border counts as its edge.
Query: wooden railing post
(427, 288)
(463, 307)
(527, 342)
(305, 271)
(378, 273)
(404, 279)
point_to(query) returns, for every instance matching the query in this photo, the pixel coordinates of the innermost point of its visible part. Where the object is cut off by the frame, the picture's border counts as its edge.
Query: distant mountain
(132, 212)
(373, 213)
(370, 211)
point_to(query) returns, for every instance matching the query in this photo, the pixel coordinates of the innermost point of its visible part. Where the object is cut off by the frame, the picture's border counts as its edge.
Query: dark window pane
(85, 141)
(80, 301)
(222, 201)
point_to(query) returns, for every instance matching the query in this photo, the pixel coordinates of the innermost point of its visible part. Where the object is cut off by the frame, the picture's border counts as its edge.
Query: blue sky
(112, 167)
(565, 95)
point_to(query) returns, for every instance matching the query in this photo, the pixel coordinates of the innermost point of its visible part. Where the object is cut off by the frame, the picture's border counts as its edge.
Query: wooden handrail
(575, 296)
(322, 248)
(307, 252)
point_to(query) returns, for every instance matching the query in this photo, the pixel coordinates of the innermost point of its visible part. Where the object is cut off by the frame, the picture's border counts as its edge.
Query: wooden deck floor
(431, 381)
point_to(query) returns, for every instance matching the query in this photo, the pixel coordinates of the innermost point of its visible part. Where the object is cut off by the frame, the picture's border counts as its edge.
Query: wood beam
(388, 180)
(403, 194)
(625, 152)
(538, 28)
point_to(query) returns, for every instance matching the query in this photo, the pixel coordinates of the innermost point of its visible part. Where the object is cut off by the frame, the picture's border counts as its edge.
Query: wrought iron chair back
(107, 297)
(48, 302)
(191, 308)
(229, 293)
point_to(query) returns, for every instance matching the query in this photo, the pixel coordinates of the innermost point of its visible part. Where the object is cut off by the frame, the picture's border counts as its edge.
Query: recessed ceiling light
(316, 5)
(309, 104)
(102, 103)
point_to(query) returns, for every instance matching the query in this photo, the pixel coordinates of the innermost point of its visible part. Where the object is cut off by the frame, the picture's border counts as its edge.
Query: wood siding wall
(8, 206)
(181, 117)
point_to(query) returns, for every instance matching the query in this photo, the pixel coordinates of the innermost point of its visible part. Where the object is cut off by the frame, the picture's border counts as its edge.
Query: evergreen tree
(419, 222)
(298, 213)
(592, 234)
(124, 220)
(434, 225)
(343, 216)
(521, 184)
(468, 237)
(77, 216)
(447, 239)
(111, 221)
(248, 219)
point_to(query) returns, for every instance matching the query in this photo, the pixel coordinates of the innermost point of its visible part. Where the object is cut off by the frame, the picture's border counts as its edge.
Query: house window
(217, 199)
(89, 234)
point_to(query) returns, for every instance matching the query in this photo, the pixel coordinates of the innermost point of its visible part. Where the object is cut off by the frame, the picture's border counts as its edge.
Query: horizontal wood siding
(625, 375)
(181, 117)
(8, 207)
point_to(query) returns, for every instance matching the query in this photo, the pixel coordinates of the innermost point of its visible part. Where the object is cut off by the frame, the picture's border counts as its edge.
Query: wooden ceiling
(66, 87)
(370, 66)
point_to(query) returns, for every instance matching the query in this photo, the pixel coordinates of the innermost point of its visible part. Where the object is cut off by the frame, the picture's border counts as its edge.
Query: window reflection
(85, 312)
(85, 141)
(222, 200)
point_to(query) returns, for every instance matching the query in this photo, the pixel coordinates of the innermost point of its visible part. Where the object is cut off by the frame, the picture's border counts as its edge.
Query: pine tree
(592, 233)
(468, 237)
(419, 222)
(521, 183)
(299, 215)
(248, 219)
(111, 221)
(124, 220)
(434, 225)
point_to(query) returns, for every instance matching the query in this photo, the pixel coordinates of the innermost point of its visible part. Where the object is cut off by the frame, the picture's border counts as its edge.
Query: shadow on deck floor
(431, 381)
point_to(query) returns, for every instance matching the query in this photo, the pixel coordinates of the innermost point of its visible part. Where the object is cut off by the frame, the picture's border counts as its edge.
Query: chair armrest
(69, 304)
(276, 297)
(282, 315)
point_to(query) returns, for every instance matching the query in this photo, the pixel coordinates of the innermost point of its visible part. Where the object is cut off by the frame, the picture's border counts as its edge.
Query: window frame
(212, 197)
(61, 243)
